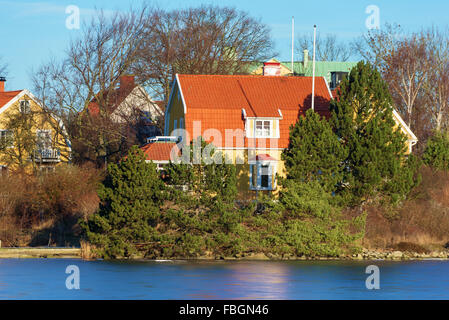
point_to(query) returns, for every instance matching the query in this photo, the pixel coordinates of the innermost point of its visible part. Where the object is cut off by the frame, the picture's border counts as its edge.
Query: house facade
(247, 118)
(30, 137)
(129, 103)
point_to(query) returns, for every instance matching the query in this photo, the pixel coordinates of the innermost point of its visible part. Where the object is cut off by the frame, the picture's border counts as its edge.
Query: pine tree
(314, 152)
(362, 117)
(130, 197)
(436, 153)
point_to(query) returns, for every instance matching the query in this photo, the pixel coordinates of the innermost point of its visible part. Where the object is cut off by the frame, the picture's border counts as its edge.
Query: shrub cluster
(43, 209)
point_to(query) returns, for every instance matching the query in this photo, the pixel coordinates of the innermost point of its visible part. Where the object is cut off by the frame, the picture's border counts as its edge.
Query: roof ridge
(245, 76)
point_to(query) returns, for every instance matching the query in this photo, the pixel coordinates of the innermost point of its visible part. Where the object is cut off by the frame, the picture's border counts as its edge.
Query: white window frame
(20, 106)
(263, 134)
(273, 134)
(12, 134)
(259, 165)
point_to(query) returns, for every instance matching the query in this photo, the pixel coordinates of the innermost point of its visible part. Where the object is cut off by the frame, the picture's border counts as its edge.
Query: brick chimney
(126, 82)
(2, 84)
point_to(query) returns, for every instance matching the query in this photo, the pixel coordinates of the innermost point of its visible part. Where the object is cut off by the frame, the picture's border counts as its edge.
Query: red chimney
(2, 84)
(126, 82)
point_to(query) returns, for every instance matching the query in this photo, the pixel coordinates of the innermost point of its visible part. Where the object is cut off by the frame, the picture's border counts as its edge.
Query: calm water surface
(45, 279)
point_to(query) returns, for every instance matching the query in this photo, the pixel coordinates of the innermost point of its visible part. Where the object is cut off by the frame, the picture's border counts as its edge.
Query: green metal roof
(322, 68)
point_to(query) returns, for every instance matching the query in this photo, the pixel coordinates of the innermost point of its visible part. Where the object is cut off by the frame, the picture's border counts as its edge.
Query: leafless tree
(376, 44)
(413, 64)
(153, 45)
(328, 48)
(436, 86)
(89, 73)
(203, 40)
(405, 70)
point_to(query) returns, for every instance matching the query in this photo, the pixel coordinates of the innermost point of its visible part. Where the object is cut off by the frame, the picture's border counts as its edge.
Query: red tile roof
(159, 151)
(217, 101)
(7, 96)
(113, 97)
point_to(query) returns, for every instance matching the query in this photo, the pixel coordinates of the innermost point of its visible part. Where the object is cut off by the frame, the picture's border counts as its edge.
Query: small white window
(263, 128)
(7, 138)
(24, 107)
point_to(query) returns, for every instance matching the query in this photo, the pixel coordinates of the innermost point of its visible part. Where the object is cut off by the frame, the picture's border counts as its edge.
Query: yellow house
(30, 138)
(247, 117)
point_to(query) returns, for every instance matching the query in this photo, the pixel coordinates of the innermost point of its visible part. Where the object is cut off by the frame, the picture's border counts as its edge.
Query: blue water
(46, 279)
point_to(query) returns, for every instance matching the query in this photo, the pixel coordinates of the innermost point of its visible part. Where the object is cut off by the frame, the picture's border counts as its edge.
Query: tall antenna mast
(293, 38)
(313, 68)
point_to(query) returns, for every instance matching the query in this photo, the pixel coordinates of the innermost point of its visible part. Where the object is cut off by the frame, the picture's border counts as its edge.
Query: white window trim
(274, 134)
(259, 165)
(20, 106)
(12, 143)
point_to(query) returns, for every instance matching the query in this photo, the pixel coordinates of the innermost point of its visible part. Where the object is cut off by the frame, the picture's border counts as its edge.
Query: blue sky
(32, 31)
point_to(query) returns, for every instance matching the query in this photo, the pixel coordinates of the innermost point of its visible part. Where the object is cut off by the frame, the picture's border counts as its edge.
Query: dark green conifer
(130, 197)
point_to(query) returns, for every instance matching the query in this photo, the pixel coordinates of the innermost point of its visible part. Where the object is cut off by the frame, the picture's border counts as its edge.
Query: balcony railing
(47, 155)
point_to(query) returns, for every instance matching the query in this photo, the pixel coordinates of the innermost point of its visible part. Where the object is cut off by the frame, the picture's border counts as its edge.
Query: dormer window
(263, 128)
(24, 107)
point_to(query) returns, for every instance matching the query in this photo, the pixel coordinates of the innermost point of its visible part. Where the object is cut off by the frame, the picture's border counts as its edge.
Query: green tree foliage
(206, 173)
(363, 120)
(313, 225)
(314, 152)
(436, 154)
(130, 197)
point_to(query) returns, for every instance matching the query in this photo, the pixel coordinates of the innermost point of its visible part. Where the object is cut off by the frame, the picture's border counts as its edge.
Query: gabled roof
(159, 151)
(222, 102)
(114, 98)
(7, 96)
(260, 96)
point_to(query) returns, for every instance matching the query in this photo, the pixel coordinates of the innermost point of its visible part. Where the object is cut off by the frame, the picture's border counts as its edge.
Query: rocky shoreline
(366, 254)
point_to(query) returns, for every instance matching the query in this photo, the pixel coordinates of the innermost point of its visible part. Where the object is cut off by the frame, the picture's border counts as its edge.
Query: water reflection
(45, 279)
(257, 280)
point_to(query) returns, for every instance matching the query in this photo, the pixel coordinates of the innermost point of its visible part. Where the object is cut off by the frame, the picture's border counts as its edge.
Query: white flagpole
(313, 68)
(293, 38)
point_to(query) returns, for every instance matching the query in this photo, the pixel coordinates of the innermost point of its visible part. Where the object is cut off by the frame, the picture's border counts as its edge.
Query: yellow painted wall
(176, 109)
(42, 122)
(243, 175)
